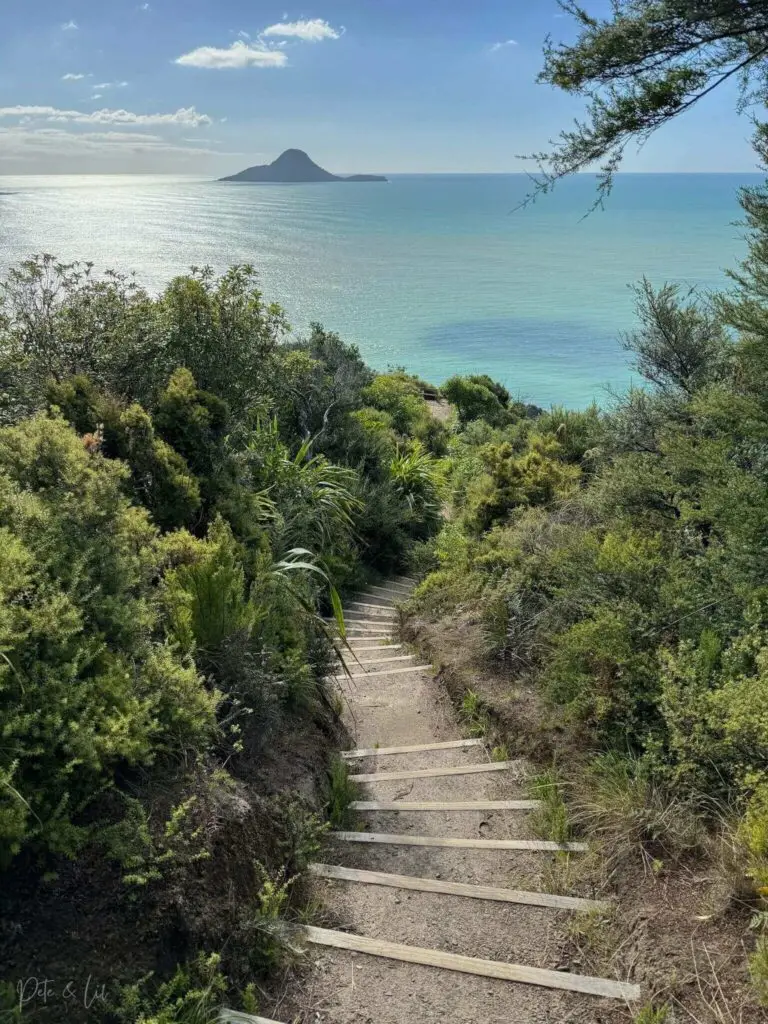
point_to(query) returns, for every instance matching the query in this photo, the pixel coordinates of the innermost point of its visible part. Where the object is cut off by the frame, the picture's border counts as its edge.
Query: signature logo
(42, 991)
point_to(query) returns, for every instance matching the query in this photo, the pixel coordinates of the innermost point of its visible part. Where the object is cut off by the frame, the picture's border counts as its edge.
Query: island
(294, 166)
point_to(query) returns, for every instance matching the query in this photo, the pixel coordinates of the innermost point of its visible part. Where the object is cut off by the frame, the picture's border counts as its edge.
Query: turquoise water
(433, 272)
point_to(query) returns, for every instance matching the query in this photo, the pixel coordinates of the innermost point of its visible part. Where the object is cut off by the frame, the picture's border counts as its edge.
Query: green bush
(193, 995)
(478, 398)
(86, 682)
(753, 836)
(400, 397)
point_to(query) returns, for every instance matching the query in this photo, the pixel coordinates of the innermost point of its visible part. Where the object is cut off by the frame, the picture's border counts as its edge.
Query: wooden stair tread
(435, 773)
(445, 805)
(227, 1016)
(448, 888)
(415, 749)
(376, 607)
(381, 621)
(380, 647)
(392, 671)
(472, 965)
(383, 661)
(392, 839)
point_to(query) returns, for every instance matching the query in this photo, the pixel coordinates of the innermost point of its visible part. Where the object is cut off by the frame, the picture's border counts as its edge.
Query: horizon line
(433, 174)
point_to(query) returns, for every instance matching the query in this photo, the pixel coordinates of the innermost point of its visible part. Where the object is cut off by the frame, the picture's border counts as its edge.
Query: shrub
(221, 331)
(86, 683)
(511, 480)
(399, 396)
(299, 830)
(477, 398)
(207, 598)
(192, 996)
(146, 857)
(753, 836)
(161, 478)
(271, 943)
(599, 672)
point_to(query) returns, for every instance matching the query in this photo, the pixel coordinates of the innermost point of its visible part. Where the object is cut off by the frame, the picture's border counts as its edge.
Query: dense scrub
(183, 488)
(618, 561)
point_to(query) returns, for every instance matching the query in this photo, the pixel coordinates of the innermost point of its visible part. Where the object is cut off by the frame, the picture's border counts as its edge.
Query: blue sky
(197, 86)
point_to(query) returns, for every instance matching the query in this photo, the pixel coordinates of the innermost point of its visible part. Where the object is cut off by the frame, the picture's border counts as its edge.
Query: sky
(212, 86)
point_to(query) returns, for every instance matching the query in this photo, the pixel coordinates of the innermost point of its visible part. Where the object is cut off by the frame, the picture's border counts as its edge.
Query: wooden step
(392, 672)
(227, 1016)
(375, 607)
(391, 839)
(475, 892)
(375, 751)
(364, 637)
(364, 633)
(390, 590)
(367, 632)
(381, 647)
(435, 773)
(383, 601)
(445, 805)
(361, 627)
(400, 589)
(384, 661)
(471, 965)
(364, 622)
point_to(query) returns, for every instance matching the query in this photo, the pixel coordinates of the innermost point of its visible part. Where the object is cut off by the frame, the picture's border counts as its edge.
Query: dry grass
(713, 1005)
(632, 818)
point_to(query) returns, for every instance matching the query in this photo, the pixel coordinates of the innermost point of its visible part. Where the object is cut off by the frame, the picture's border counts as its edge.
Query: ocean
(440, 274)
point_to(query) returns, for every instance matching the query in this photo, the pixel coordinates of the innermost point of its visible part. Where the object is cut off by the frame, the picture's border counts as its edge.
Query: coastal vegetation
(613, 563)
(184, 491)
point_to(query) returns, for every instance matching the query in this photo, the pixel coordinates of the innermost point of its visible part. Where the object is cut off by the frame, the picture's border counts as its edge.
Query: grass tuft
(633, 817)
(342, 792)
(651, 1014)
(551, 820)
(473, 713)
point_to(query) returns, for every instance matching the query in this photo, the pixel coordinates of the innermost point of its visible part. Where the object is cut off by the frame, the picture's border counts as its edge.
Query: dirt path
(345, 987)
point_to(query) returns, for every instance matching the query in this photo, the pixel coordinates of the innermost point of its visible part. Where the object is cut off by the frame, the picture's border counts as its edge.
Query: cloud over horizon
(187, 116)
(103, 151)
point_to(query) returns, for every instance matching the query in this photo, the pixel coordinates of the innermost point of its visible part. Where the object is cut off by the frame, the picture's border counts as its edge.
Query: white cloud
(187, 116)
(310, 31)
(69, 26)
(96, 96)
(238, 55)
(70, 77)
(500, 46)
(111, 85)
(145, 7)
